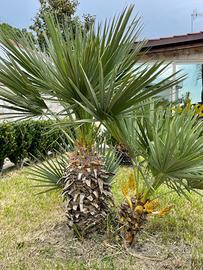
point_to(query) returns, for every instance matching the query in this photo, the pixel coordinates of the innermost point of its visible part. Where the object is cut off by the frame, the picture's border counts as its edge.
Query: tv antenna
(194, 16)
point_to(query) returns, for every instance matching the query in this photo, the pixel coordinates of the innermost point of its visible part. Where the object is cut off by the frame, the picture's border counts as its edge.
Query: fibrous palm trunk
(132, 219)
(86, 192)
(133, 214)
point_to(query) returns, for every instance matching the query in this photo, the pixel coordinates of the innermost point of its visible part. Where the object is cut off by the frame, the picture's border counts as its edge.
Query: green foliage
(7, 141)
(167, 148)
(94, 74)
(10, 30)
(64, 13)
(23, 133)
(44, 138)
(28, 139)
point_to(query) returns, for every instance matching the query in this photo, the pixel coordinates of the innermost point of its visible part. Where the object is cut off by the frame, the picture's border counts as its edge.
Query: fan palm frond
(49, 172)
(95, 74)
(170, 145)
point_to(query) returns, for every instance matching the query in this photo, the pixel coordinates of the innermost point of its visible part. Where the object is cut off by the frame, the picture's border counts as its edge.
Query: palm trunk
(86, 192)
(132, 218)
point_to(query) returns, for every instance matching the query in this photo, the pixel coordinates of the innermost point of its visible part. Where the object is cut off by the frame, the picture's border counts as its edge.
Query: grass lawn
(33, 233)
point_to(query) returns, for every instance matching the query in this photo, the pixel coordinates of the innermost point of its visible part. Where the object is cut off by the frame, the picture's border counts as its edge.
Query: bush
(23, 137)
(7, 141)
(27, 139)
(43, 140)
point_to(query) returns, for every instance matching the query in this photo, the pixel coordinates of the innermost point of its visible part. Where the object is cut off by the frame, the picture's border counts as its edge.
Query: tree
(10, 29)
(166, 147)
(5, 27)
(64, 12)
(93, 76)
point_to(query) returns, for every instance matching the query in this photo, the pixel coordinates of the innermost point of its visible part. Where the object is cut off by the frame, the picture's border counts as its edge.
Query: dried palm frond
(134, 211)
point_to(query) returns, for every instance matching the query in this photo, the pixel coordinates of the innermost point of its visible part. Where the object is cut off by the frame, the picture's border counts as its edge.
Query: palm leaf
(96, 74)
(171, 145)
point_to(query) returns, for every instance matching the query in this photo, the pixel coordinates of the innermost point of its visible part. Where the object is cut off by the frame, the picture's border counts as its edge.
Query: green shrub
(43, 140)
(23, 133)
(28, 139)
(7, 141)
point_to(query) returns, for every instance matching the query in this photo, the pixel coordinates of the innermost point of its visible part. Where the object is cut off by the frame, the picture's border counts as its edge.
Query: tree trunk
(87, 193)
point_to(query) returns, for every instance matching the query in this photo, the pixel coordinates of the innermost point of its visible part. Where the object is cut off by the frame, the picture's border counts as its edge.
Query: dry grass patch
(34, 235)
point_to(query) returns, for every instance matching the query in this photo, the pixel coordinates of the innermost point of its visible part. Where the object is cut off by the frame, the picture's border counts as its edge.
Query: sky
(159, 17)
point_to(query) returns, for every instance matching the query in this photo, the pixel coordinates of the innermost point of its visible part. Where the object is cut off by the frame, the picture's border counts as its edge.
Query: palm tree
(93, 76)
(167, 149)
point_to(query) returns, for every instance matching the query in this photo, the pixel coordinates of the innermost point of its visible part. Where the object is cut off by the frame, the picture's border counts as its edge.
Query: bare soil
(57, 243)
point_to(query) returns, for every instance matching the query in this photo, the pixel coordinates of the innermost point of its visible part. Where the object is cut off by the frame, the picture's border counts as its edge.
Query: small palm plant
(86, 77)
(167, 149)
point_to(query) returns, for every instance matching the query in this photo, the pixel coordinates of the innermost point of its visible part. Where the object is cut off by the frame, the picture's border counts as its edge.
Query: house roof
(187, 40)
(181, 48)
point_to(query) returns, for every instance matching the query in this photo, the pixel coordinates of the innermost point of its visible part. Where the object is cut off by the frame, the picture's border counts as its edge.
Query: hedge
(27, 139)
